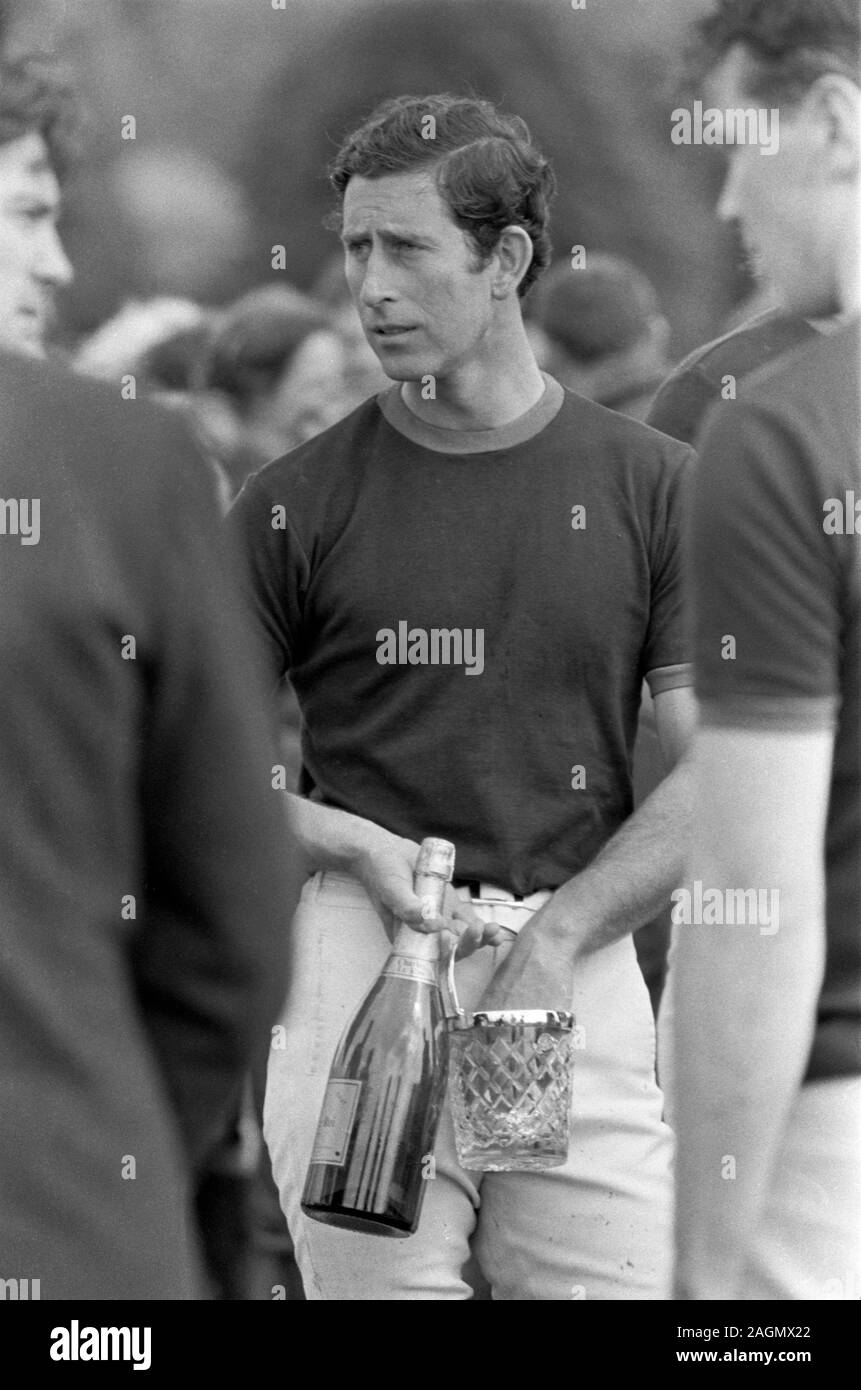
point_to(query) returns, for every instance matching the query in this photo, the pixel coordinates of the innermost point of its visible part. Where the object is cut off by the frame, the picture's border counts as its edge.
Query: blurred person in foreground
(143, 884)
(454, 501)
(606, 335)
(168, 344)
(36, 144)
(766, 1092)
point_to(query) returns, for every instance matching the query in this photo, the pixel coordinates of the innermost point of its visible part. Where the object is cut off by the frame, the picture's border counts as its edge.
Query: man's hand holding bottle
(386, 864)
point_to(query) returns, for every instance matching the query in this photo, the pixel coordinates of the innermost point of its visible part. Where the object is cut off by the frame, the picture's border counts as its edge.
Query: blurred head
(797, 208)
(255, 340)
(309, 396)
(602, 315)
(187, 218)
(444, 213)
(35, 148)
(275, 357)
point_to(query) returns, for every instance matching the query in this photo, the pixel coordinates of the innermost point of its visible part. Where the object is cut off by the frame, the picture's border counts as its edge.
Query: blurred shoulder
(62, 426)
(618, 439)
(795, 432)
(815, 387)
(684, 399)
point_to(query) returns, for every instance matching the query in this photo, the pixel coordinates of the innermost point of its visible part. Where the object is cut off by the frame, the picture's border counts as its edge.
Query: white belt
(507, 910)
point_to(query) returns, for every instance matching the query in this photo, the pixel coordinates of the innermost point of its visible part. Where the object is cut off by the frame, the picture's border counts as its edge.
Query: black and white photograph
(430, 667)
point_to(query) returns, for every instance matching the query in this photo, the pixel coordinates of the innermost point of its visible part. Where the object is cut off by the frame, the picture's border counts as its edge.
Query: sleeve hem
(670, 677)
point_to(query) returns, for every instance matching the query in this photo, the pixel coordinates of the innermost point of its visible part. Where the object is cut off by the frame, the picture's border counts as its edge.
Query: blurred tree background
(238, 106)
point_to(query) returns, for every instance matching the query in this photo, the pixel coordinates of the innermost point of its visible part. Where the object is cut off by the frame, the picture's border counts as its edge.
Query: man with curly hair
(467, 580)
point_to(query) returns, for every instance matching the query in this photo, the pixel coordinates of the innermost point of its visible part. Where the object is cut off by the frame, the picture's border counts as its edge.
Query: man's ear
(512, 258)
(836, 101)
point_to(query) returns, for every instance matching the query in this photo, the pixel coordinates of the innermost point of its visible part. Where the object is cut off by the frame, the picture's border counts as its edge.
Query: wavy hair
(487, 170)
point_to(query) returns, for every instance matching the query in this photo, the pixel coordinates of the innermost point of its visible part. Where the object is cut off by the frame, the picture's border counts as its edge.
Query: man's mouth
(391, 330)
(753, 256)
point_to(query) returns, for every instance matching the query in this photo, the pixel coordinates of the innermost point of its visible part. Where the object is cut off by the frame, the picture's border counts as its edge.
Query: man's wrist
(547, 941)
(564, 922)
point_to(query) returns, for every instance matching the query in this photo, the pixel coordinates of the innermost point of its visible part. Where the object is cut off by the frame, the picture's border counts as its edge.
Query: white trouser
(597, 1228)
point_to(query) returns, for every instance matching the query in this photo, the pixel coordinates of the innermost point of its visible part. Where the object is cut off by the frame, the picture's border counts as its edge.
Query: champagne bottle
(373, 1149)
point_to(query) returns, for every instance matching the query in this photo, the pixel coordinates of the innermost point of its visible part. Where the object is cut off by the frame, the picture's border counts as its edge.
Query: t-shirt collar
(449, 441)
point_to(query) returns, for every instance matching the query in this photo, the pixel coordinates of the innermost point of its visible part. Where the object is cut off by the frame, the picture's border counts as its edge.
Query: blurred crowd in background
(198, 265)
(193, 213)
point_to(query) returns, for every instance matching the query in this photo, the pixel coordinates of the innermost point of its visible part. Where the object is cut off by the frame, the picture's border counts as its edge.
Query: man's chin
(402, 373)
(400, 370)
(25, 344)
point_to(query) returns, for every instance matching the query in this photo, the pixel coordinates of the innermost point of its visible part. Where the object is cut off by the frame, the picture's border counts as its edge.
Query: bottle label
(411, 968)
(336, 1120)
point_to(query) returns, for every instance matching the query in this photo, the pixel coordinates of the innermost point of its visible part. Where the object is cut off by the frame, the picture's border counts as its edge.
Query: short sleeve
(765, 578)
(667, 655)
(274, 572)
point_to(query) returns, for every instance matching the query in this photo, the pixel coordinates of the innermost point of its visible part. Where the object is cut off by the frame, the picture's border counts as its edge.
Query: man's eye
(402, 245)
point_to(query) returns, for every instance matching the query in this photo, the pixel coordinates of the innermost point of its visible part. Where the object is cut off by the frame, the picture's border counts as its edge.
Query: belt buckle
(482, 892)
(492, 893)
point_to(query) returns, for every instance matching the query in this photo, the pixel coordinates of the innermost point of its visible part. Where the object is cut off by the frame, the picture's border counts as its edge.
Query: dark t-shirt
(768, 570)
(461, 639)
(680, 407)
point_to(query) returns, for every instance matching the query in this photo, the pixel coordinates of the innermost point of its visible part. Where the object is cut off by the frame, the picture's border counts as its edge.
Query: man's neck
(849, 280)
(481, 395)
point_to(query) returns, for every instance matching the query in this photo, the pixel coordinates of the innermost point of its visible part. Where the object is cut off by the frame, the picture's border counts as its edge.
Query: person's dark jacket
(144, 896)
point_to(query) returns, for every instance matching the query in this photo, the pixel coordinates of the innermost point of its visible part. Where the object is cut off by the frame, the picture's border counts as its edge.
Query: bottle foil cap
(436, 857)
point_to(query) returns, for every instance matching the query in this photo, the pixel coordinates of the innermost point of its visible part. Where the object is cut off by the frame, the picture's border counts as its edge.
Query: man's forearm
(632, 877)
(625, 885)
(328, 838)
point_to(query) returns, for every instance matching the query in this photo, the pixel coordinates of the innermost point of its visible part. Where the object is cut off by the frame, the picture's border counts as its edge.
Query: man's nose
(53, 266)
(376, 285)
